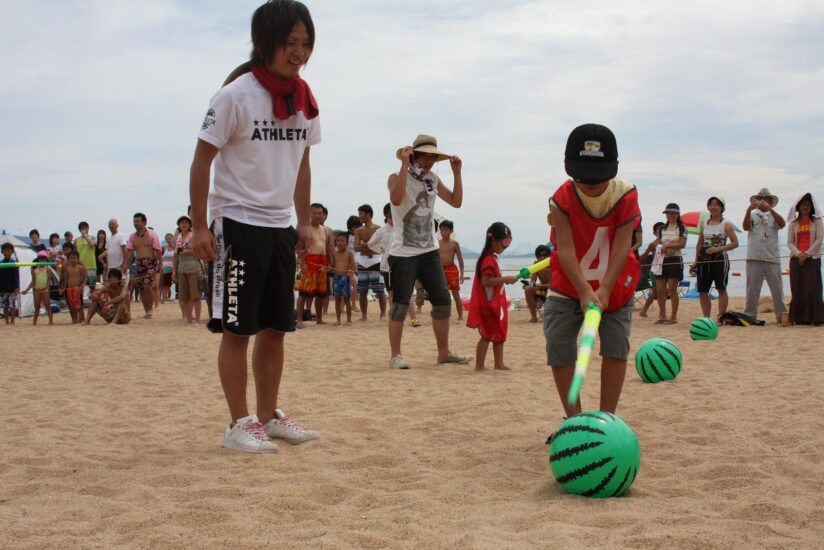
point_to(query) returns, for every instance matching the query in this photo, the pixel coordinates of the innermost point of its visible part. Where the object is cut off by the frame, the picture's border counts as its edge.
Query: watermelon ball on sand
(704, 328)
(595, 454)
(658, 359)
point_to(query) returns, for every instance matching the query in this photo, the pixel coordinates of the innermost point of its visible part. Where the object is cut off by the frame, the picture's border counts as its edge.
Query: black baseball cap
(591, 154)
(672, 207)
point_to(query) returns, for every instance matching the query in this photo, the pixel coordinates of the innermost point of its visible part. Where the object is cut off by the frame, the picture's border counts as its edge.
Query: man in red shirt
(593, 215)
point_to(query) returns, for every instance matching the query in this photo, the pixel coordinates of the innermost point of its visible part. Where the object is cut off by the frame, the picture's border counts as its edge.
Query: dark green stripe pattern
(595, 454)
(657, 360)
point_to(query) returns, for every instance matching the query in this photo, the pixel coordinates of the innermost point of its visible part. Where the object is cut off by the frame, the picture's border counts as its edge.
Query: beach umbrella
(693, 220)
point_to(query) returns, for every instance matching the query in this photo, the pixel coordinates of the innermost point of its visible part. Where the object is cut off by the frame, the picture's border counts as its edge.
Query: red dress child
(488, 306)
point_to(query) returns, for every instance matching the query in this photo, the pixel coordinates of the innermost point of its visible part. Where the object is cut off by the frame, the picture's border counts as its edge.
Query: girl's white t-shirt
(414, 218)
(672, 234)
(257, 168)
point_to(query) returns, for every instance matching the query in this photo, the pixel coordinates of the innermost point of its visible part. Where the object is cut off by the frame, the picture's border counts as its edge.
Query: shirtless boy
(73, 278)
(313, 267)
(112, 301)
(454, 273)
(343, 263)
(369, 263)
(539, 284)
(146, 243)
(330, 234)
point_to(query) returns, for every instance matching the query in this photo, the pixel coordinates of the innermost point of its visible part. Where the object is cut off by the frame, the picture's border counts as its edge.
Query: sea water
(736, 287)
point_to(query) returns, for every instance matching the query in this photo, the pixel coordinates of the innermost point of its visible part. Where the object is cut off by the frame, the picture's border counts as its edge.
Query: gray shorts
(562, 323)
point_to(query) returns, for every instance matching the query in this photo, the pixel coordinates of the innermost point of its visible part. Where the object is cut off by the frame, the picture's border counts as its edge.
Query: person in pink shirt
(149, 253)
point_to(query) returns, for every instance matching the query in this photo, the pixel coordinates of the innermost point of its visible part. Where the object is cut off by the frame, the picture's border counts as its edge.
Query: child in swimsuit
(40, 278)
(344, 267)
(73, 279)
(449, 250)
(112, 301)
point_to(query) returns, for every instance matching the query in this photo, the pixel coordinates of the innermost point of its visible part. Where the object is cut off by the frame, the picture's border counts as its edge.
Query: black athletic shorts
(673, 268)
(713, 269)
(252, 279)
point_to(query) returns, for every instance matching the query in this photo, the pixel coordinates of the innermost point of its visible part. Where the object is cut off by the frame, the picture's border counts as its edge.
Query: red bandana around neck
(288, 96)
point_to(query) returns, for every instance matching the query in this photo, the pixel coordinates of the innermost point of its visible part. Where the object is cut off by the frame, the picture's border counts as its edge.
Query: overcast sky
(101, 102)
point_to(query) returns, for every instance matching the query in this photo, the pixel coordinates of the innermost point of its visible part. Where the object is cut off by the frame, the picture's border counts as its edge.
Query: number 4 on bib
(600, 250)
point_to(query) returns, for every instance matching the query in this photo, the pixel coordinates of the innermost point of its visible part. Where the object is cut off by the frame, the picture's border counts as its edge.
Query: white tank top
(414, 218)
(715, 235)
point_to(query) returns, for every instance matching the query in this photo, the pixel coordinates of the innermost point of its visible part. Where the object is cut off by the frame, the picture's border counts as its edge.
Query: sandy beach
(111, 438)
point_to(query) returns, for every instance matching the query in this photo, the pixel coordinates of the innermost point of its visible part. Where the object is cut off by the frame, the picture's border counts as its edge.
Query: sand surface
(111, 438)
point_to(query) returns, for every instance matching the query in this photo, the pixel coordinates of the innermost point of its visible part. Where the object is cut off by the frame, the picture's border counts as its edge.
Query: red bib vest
(593, 239)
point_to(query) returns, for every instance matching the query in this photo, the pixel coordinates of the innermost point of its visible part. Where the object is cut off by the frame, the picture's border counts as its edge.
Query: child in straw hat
(414, 252)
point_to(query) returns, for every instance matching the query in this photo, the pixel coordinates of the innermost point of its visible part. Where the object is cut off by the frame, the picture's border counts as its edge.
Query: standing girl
(711, 256)
(673, 239)
(168, 268)
(99, 249)
(804, 236)
(258, 179)
(186, 270)
(41, 276)
(488, 307)
(652, 260)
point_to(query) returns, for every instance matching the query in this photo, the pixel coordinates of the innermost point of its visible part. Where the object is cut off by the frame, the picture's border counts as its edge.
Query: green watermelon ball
(704, 328)
(658, 359)
(595, 454)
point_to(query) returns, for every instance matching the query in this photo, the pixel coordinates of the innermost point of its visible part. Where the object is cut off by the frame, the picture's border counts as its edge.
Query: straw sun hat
(426, 144)
(765, 194)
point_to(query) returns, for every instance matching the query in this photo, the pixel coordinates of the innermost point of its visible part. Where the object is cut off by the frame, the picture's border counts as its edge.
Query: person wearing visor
(414, 252)
(673, 240)
(594, 214)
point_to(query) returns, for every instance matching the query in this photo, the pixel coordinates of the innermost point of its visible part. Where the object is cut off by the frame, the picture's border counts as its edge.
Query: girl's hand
(304, 231)
(510, 279)
(406, 154)
(456, 163)
(205, 245)
(713, 250)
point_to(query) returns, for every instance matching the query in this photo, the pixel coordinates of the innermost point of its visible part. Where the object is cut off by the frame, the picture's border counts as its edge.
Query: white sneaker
(453, 357)
(398, 362)
(283, 426)
(247, 435)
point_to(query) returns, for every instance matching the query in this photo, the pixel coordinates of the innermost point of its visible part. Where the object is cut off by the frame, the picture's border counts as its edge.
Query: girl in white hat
(711, 255)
